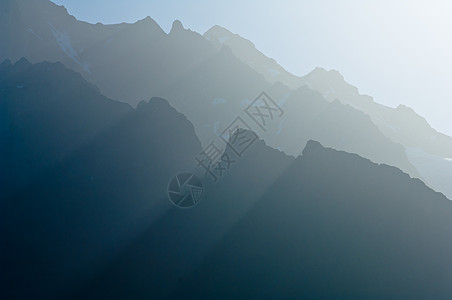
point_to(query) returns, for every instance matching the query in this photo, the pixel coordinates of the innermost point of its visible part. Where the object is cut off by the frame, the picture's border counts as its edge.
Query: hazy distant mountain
(40, 30)
(128, 62)
(309, 116)
(220, 88)
(247, 53)
(402, 124)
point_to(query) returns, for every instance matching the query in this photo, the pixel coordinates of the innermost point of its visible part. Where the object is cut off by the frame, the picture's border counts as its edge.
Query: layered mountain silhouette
(205, 81)
(87, 161)
(280, 227)
(47, 113)
(247, 52)
(145, 58)
(402, 124)
(81, 175)
(93, 219)
(302, 240)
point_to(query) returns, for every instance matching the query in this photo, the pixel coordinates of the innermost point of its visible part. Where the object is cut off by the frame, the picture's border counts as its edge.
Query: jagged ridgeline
(93, 220)
(96, 120)
(209, 78)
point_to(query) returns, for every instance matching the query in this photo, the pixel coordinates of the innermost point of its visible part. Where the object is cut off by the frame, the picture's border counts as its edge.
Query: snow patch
(64, 41)
(32, 32)
(86, 67)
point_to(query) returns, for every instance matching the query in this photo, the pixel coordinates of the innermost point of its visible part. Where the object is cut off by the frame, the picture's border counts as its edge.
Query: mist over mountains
(119, 237)
(402, 125)
(337, 195)
(185, 67)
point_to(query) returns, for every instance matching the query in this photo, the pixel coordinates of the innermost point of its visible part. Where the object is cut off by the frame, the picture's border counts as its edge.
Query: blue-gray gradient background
(399, 52)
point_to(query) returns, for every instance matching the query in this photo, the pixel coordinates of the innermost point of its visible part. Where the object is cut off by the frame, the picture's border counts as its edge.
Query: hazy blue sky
(396, 52)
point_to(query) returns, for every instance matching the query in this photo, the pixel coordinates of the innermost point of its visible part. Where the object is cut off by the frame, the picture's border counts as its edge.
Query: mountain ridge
(158, 64)
(98, 223)
(401, 125)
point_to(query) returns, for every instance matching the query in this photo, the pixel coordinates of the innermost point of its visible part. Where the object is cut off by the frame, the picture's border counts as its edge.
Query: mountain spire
(176, 27)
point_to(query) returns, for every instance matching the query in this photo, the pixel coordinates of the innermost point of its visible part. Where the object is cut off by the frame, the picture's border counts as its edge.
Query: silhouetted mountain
(205, 82)
(325, 224)
(332, 225)
(221, 88)
(93, 219)
(47, 112)
(84, 179)
(81, 176)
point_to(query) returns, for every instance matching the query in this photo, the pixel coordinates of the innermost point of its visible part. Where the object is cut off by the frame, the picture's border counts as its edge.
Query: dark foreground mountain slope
(81, 176)
(326, 224)
(47, 112)
(334, 225)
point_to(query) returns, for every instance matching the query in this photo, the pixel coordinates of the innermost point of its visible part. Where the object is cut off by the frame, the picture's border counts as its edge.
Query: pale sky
(399, 52)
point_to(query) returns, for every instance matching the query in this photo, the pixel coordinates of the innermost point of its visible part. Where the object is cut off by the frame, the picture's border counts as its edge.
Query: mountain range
(95, 221)
(208, 85)
(401, 124)
(209, 78)
(335, 195)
